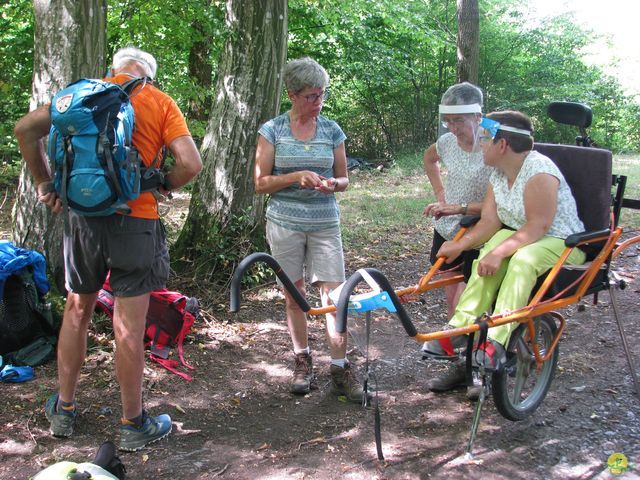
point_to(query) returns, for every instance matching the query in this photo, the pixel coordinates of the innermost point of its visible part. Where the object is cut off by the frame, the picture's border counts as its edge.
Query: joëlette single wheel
(520, 387)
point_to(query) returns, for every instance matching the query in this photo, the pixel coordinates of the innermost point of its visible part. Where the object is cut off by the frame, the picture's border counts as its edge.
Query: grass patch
(377, 204)
(629, 165)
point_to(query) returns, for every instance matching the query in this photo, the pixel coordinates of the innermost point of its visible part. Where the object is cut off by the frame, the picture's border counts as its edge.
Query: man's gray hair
(464, 93)
(126, 55)
(304, 73)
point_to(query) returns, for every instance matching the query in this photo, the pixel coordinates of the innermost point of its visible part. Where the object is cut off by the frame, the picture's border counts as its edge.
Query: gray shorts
(319, 251)
(133, 249)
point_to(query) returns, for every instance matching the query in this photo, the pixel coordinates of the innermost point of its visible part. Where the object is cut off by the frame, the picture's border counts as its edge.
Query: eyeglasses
(485, 138)
(314, 97)
(457, 121)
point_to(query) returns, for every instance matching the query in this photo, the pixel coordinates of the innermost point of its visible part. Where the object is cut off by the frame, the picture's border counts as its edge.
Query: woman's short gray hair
(464, 93)
(304, 72)
(126, 55)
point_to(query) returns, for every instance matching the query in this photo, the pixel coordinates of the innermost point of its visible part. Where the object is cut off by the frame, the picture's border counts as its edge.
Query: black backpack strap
(67, 166)
(104, 151)
(130, 85)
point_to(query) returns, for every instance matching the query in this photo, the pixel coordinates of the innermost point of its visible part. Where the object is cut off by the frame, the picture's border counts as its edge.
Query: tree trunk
(220, 227)
(468, 41)
(200, 70)
(70, 42)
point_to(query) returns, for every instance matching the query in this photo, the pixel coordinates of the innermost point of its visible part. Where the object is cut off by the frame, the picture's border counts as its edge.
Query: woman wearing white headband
(527, 213)
(459, 192)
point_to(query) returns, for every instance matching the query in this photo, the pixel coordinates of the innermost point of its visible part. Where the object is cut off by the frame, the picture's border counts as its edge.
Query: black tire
(520, 386)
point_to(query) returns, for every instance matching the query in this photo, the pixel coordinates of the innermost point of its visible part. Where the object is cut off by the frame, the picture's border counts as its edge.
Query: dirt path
(237, 420)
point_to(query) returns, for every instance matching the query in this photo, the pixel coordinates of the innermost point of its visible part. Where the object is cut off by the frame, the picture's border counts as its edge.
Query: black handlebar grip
(347, 290)
(234, 301)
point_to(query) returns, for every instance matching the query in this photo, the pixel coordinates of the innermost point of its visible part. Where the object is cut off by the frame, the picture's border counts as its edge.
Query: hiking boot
(302, 374)
(344, 382)
(473, 392)
(454, 377)
(134, 438)
(61, 421)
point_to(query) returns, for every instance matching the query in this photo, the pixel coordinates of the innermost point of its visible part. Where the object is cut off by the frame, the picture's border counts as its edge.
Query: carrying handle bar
(347, 290)
(234, 301)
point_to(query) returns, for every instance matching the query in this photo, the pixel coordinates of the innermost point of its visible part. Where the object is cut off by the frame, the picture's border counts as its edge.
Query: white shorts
(319, 252)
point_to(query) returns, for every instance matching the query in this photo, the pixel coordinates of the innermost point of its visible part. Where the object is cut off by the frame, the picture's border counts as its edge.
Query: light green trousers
(512, 284)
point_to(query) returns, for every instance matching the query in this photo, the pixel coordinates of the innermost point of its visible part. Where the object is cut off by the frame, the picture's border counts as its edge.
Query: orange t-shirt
(158, 122)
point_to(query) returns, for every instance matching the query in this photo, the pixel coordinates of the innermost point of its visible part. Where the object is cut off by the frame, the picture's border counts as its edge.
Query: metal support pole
(614, 285)
(476, 415)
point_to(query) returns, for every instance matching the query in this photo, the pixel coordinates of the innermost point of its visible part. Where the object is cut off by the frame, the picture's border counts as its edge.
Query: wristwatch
(464, 208)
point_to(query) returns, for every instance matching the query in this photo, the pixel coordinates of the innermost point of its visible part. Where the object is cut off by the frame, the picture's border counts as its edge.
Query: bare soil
(237, 419)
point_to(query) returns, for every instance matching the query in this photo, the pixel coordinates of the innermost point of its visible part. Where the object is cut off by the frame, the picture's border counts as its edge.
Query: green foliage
(16, 64)
(169, 31)
(229, 244)
(391, 61)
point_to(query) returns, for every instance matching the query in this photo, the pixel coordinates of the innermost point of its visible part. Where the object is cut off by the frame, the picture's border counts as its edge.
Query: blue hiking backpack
(96, 168)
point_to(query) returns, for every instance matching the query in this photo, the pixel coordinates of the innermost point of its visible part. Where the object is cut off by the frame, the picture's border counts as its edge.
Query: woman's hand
(489, 264)
(309, 179)
(450, 250)
(441, 209)
(327, 185)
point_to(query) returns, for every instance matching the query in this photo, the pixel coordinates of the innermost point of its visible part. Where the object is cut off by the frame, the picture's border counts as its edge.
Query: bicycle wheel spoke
(521, 378)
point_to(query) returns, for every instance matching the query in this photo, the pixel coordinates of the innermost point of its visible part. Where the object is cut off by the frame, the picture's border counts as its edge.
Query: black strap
(482, 338)
(67, 165)
(130, 85)
(377, 428)
(468, 361)
(104, 151)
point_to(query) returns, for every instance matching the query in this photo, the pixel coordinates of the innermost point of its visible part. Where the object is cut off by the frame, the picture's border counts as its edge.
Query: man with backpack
(130, 243)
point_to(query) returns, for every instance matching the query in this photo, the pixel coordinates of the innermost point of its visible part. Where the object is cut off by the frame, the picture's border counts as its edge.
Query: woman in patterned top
(301, 162)
(461, 192)
(527, 213)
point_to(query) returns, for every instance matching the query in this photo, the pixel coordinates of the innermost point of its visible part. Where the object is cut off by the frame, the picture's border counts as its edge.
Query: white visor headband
(492, 126)
(507, 128)
(454, 109)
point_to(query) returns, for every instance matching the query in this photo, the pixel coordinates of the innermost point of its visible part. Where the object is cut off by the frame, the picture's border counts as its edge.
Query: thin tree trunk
(70, 42)
(224, 209)
(468, 41)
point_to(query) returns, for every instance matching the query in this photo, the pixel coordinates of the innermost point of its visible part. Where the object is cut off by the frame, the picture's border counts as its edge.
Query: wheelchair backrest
(588, 173)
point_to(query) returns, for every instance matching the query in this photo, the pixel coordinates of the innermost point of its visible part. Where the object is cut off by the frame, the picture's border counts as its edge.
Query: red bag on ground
(169, 318)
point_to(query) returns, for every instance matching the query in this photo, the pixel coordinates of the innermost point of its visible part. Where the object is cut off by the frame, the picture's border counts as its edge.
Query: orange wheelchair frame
(533, 346)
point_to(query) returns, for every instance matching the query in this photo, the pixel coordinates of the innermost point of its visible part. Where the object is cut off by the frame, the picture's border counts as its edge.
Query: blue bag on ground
(96, 168)
(28, 331)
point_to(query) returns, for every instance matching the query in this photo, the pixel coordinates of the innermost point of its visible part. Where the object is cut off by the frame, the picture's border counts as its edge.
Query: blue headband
(493, 126)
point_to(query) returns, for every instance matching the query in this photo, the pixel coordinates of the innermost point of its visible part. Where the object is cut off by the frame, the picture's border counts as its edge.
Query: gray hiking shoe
(134, 438)
(302, 374)
(61, 421)
(473, 392)
(344, 382)
(454, 377)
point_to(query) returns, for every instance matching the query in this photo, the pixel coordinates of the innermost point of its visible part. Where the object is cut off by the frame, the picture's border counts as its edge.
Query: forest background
(389, 61)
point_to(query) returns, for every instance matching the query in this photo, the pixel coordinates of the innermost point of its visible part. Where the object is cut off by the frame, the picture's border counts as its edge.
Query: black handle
(347, 290)
(234, 301)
